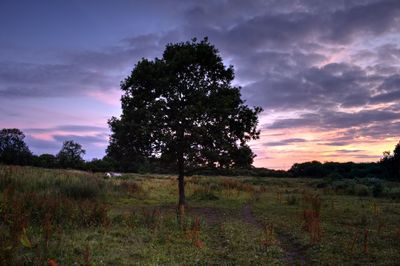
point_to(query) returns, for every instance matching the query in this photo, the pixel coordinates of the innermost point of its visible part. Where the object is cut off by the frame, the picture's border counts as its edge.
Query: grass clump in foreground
(72, 217)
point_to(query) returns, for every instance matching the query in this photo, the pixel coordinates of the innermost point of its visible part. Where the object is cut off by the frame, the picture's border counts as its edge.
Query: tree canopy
(13, 149)
(183, 108)
(391, 162)
(70, 155)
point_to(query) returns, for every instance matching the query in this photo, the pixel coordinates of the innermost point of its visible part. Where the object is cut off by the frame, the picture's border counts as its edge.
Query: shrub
(344, 185)
(361, 190)
(394, 193)
(376, 185)
(378, 189)
(334, 176)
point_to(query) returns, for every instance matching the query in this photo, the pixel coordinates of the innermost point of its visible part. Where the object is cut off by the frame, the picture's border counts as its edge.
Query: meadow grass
(75, 217)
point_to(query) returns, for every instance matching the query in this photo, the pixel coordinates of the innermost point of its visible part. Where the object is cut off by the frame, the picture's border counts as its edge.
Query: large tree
(13, 149)
(182, 108)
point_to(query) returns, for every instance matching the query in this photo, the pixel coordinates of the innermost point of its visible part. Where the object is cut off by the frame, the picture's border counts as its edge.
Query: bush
(361, 190)
(334, 176)
(394, 193)
(344, 185)
(378, 190)
(375, 184)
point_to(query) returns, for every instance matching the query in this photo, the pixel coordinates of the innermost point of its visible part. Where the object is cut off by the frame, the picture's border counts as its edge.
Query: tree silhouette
(13, 149)
(182, 108)
(70, 155)
(45, 160)
(391, 162)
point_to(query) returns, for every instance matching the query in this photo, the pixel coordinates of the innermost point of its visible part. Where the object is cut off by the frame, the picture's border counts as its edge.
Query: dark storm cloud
(285, 142)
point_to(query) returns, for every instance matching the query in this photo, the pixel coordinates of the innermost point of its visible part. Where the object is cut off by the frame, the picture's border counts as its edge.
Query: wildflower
(52, 262)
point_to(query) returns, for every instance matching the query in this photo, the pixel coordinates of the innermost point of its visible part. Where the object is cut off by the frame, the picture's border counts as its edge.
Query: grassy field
(77, 218)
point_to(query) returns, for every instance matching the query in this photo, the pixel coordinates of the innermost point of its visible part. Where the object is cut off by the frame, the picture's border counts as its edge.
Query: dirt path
(295, 254)
(212, 216)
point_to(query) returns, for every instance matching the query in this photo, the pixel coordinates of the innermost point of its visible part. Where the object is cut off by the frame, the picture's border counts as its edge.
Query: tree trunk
(181, 187)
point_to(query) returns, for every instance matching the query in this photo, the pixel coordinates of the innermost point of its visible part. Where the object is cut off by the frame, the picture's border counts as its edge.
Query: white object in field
(112, 174)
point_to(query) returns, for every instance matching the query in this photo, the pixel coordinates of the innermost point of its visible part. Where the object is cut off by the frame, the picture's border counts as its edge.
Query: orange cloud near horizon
(280, 149)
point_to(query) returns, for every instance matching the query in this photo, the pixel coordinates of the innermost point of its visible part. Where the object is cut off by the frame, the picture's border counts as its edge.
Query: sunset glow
(327, 73)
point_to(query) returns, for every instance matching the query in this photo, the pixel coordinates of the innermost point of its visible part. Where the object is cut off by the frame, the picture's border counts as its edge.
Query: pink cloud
(110, 97)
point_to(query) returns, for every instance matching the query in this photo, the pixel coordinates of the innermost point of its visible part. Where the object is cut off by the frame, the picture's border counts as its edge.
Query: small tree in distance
(70, 155)
(183, 109)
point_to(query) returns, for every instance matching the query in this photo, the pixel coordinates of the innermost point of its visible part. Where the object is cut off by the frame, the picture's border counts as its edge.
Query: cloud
(24, 80)
(74, 128)
(335, 143)
(285, 142)
(329, 66)
(328, 119)
(96, 139)
(348, 151)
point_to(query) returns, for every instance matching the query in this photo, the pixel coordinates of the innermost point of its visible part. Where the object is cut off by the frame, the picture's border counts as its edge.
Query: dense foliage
(70, 155)
(13, 149)
(391, 163)
(182, 109)
(336, 170)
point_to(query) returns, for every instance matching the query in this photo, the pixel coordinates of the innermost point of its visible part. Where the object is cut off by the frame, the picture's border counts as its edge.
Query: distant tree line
(316, 169)
(387, 168)
(14, 151)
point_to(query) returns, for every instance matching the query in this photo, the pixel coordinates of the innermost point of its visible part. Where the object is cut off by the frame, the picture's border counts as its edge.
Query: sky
(326, 72)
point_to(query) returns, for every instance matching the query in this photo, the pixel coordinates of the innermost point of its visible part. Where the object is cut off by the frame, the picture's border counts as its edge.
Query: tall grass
(72, 184)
